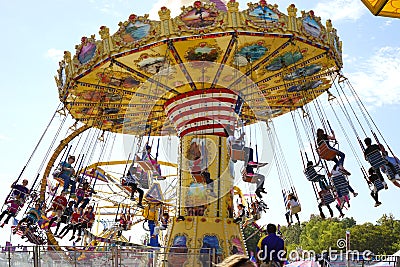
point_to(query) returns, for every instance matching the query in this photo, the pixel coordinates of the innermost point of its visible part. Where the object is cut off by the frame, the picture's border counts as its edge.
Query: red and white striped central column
(202, 111)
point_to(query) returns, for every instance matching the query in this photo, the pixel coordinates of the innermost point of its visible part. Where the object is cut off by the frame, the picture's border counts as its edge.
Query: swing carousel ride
(200, 79)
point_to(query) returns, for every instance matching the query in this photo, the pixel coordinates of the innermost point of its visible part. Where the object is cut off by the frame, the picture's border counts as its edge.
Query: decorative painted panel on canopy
(385, 8)
(274, 62)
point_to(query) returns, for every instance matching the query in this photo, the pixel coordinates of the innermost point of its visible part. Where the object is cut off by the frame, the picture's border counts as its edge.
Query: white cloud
(376, 80)
(340, 10)
(388, 22)
(3, 138)
(55, 54)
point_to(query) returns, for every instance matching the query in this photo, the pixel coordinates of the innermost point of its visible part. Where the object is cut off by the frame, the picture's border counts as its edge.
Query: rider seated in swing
(146, 156)
(14, 206)
(232, 144)
(122, 224)
(323, 139)
(67, 173)
(58, 205)
(32, 217)
(335, 173)
(291, 205)
(20, 189)
(313, 176)
(322, 203)
(241, 213)
(131, 180)
(210, 182)
(64, 218)
(375, 179)
(381, 152)
(164, 224)
(393, 177)
(255, 213)
(84, 194)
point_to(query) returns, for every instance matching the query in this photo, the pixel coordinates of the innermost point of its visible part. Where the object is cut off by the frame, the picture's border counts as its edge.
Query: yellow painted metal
(121, 82)
(123, 162)
(385, 8)
(217, 221)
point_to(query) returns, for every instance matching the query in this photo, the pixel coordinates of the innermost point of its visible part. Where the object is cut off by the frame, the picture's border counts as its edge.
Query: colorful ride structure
(209, 71)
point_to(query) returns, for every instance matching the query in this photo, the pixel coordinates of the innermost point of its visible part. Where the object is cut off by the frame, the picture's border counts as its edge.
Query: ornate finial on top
(67, 56)
(132, 18)
(329, 25)
(104, 32)
(197, 4)
(164, 13)
(263, 3)
(312, 14)
(233, 6)
(292, 10)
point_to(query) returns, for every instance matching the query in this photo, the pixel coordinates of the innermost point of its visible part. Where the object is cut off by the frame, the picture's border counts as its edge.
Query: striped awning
(202, 111)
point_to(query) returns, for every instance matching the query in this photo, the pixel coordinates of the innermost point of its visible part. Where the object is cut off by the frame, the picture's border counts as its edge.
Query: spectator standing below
(237, 261)
(272, 251)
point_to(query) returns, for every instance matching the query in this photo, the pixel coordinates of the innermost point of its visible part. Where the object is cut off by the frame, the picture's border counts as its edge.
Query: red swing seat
(196, 171)
(325, 152)
(248, 178)
(237, 151)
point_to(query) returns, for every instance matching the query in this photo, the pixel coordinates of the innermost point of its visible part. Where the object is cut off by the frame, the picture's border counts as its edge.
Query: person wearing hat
(66, 174)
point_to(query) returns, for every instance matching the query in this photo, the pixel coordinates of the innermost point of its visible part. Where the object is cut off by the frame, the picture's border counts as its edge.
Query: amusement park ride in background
(210, 69)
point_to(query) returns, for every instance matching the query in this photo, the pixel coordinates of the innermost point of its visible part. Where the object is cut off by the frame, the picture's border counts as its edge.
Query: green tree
(251, 236)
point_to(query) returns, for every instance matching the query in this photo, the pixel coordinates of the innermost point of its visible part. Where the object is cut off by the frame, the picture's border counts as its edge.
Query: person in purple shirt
(20, 190)
(272, 249)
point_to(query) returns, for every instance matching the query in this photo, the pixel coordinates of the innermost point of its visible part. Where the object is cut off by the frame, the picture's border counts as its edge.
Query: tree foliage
(318, 234)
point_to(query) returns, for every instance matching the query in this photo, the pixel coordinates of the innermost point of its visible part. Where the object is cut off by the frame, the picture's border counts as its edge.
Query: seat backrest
(311, 174)
(325, 152)
(378, 185)
(341, 184)
(376, 159)
(326, 197)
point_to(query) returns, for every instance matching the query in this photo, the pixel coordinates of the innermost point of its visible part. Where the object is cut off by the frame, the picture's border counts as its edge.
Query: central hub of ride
(202, 112)
(205, 197)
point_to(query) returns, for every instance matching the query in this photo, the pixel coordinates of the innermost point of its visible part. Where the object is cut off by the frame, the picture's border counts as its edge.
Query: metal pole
(36, 257)
(347, 248)
(9, 256)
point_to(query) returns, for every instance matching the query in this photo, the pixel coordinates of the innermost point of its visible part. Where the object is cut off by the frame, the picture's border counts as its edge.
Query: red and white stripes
(202, 111)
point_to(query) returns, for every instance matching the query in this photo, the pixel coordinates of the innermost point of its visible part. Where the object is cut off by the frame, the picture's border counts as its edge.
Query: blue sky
(35, 34)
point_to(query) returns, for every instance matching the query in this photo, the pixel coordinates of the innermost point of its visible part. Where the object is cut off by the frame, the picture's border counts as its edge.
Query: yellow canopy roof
(275, 62)
(385, 8)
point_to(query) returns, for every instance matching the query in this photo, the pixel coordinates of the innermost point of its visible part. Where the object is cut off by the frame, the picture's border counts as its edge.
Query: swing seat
(326, 197)
(146, 165)
(378, 185)
(196, 171)
(341, 185)
(312, 175)
(376, 159)
(198, 177)
(325, 152)
(237, 151)
(158, 177)
(389, 172)
(249, 178)
(295, 209)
